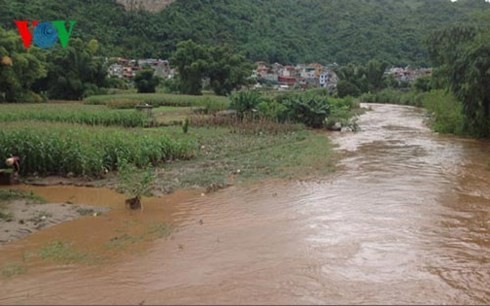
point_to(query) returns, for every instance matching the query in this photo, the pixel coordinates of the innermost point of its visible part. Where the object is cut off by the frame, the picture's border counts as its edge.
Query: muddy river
(405, 219)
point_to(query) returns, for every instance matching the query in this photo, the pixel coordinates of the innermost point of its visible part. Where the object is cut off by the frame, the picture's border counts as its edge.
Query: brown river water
(405, 219)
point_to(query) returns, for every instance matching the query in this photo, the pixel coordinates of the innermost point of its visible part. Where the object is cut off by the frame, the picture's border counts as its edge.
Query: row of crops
(72, 113)
(60, 148)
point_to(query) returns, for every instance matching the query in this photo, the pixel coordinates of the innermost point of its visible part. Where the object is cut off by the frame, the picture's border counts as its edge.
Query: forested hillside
(286, 31)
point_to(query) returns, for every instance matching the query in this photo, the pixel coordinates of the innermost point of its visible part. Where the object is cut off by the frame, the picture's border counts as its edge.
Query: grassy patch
(210, 102)
(64, 253)
(393, 96)
(152, 232)
(159, 230)
(7, 195)
(245, 157)
(12, 269)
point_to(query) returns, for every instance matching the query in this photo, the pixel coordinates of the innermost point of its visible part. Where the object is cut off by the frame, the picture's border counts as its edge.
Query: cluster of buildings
(300, 75)
(126, 68)
(277, 75)
(408, 74)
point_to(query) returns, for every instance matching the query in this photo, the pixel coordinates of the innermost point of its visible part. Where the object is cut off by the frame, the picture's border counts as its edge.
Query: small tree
(134, 183)
(191, 61)
(145, 81)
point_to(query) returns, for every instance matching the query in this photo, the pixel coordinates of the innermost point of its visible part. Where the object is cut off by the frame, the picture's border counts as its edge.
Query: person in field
(13, 162)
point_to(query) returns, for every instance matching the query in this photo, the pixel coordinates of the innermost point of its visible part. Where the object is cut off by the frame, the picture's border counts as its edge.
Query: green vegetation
(135, 183)
(229, 155)
(457, 95)
(446, 112)
(73, 72)
(160, 230)
(64, 253)
(50, 148)
(311, 108)
(72, 113)
(245, 102)
(226, 69)
(32, 75)
(462, 57)
(7, 195)
(285, 31)
(151, 232)
(357, 79)
(145, 81)
(394, 96)
(19, 69)
(12, 269)
(211, 103)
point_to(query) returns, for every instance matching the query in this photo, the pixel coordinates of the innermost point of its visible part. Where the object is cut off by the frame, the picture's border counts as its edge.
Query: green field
(61, 148)
(80, 139)
(72, 113)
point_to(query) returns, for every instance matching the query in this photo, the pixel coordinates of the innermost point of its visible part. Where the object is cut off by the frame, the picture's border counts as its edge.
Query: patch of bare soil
(22, 218)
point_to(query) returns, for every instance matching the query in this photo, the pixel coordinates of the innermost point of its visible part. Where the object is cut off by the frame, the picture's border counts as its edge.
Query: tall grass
(72, 113)
(54, 148)
(211, 103)
(394, 96)
(446, 112)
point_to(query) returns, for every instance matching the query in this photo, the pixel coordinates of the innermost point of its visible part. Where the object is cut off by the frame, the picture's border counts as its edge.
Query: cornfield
(58, 149)
(72, 113)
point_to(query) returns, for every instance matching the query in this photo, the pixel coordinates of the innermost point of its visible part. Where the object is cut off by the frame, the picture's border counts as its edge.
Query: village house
(303, 75)
(126, 68)
(408, 74)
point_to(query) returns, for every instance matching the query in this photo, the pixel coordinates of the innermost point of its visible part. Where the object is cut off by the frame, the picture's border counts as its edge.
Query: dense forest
(286, 31)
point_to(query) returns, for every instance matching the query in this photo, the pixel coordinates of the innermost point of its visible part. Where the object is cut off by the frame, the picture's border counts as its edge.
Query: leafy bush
(245, 102)
(135, 182)
(345, 88)
(308, 109)
(341, 113)
(446, 112)
(145, 81)
(273, 110)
